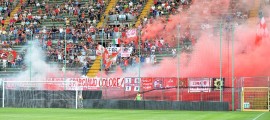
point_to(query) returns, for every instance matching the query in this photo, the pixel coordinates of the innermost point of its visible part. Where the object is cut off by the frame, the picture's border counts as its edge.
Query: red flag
(108, 64)
(99, 50)
(14, 54)
(11, 55)
(3, 54)
(126, 62)
(262, 23)
(105, 56)
(112, 57)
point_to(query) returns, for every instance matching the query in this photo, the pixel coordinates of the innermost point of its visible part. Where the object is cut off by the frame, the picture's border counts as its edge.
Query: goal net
(40, 94)
(255, 99)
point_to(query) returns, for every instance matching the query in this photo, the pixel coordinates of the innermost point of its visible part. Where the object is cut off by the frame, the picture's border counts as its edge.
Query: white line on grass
(258, 116)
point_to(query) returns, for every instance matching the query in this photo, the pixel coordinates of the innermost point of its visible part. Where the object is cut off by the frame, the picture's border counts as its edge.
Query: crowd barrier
(156, 105)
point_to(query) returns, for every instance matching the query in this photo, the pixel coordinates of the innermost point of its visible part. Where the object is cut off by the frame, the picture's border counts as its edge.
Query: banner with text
(126, 51)
(127, 84)
(132, 84)
(112, 50)
(172, 82)
(199, 84)
(147, 84)
(131, 33)
(93, 83)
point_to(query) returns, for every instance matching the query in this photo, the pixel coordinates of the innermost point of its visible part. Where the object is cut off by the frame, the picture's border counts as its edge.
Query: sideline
(258, 116)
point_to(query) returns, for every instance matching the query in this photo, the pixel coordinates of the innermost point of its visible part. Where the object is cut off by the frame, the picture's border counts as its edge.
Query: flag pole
(220, 62)
(30, 68)
(139, 46)
(101, 63)
(65, 64)
(178, 61)
(233, 67)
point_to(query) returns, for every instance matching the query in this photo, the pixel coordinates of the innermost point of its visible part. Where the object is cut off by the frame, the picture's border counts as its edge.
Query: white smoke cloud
(36, 65)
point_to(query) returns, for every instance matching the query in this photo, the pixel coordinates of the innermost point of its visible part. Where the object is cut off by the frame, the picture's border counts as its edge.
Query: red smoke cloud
(204, 61)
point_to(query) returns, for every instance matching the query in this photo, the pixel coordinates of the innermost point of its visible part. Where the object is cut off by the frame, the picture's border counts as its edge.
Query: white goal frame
(64, 82)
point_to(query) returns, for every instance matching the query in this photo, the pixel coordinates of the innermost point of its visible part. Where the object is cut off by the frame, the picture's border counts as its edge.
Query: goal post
(268, 80)
(40, 94)
(255, 99)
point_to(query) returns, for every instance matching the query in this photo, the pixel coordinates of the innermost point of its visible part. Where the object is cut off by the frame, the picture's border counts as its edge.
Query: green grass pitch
(113, 114)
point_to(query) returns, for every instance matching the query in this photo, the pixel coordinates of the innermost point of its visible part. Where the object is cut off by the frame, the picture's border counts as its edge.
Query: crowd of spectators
(81, 33)
(126, 11)
(146, 54)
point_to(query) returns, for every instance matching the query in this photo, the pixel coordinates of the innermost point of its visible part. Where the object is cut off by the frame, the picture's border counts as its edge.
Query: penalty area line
(258, 116)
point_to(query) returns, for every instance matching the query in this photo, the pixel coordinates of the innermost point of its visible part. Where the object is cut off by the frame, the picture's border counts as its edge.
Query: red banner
(147, 84)
(9, 55)
(158, 83)
(170, 82)
(130, 84)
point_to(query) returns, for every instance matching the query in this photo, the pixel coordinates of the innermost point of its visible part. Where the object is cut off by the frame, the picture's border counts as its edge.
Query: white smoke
(36, 66)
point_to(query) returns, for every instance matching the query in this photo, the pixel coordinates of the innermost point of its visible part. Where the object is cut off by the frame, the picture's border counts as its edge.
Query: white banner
(199, 85)
(113, 49)
(132, 84)
(126, 51)
(131, 33)
(100, 49)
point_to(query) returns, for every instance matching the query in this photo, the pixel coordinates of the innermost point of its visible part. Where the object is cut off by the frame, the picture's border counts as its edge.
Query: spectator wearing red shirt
(49, 44)
(3, 22)
(69, 47)
(56, 11)
(68, 33)
(40, 11)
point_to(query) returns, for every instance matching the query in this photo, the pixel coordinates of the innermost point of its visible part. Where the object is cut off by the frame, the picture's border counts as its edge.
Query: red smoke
(204, 61)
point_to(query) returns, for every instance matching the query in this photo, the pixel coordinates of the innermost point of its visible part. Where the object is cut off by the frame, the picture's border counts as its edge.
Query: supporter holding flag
(117, 41)
(262, 31)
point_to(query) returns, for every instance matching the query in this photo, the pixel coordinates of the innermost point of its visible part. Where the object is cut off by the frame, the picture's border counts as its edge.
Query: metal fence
(173, 89)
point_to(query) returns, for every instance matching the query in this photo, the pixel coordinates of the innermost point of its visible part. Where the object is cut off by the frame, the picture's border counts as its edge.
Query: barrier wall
(156, 105)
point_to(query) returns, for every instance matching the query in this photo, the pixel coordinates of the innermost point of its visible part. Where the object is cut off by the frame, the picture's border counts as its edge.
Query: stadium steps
(15, 10)
(110, 6)
(95, 68)
(18, 48)
(255, 10)
(144, 12)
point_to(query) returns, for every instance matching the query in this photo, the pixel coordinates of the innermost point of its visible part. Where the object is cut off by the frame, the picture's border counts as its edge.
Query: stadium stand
(85, 24)
(37, 15)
